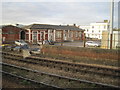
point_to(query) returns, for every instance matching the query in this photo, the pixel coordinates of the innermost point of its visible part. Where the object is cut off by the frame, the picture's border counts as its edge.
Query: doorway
(22, 35)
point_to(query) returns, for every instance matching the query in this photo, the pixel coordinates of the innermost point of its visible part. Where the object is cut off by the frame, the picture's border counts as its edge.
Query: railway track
(54, 76)
(67, 66)
(32, 81)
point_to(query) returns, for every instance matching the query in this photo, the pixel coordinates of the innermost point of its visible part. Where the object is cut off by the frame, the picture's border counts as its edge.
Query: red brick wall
(11, 33)
(46, 36)
(82, 52)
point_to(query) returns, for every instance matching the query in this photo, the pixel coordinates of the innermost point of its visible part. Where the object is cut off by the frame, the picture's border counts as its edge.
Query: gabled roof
(10, 26)
(7, 26)
(56, 27)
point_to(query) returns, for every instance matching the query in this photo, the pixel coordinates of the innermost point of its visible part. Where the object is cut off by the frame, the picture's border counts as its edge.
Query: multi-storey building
(86, 32)
(95, 29)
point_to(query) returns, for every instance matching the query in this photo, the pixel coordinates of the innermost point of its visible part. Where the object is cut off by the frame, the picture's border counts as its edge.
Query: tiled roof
(47, 26)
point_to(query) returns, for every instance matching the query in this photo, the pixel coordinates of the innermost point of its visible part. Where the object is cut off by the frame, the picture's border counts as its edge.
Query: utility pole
(111, 22)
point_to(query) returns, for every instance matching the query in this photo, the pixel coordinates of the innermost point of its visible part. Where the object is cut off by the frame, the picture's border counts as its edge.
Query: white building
(95, 29)
(86, 28)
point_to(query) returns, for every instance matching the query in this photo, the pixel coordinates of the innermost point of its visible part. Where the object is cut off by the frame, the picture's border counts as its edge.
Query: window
(71, 34)
(58, 34)
(34, 35)
(76, 34)
(88, 35)
(92, 31)
(104, 26)
(80, 34)
(65, 34)
(92, 26)
(41, 35)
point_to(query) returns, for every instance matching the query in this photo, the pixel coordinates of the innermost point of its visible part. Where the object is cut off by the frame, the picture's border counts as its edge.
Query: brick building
(38, 32)
(11, 33)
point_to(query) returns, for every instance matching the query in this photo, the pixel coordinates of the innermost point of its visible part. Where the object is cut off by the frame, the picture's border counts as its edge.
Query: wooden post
(111, 41)
(84, 39)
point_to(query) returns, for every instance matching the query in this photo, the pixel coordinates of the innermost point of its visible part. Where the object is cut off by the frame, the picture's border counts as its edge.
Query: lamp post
(111, 22)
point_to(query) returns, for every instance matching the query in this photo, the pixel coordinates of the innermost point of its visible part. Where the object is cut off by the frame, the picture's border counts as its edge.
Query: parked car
(40, 43)
(93, 43)
(35, 50)
(19, 48)
(48, 42)
(20, 42)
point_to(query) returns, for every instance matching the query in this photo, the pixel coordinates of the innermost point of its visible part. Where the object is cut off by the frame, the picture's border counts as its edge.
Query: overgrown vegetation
(82, 52)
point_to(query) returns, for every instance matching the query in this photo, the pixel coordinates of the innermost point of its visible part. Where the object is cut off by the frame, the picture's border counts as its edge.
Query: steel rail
(66, 68)
(66, 63)
(34, 81)
(61, 77)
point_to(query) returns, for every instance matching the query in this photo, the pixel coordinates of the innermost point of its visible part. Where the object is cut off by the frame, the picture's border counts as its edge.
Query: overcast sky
(81, 13)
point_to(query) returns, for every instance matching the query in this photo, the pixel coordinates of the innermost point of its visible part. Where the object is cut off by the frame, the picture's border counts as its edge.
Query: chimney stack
(106, 21)
(74, 24)
(17, 24)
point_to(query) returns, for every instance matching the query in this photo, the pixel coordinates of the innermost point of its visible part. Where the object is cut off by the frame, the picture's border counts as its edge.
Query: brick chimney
(106, 21)
(74, 24)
